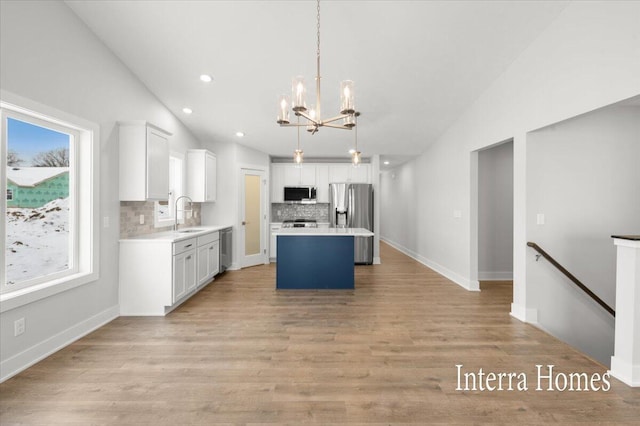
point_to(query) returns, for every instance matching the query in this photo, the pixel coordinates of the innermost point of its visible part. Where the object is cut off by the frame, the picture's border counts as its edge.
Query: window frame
(85, 178)
(176, 186)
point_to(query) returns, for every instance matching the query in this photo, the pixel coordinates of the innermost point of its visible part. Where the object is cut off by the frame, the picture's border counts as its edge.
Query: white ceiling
(417, 65)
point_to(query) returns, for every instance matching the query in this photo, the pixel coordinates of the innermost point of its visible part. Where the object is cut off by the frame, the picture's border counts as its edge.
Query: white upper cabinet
(201, 175)
(322, 183)
(361, 174)
(144, 162)
(307, 175)
(340, 173)
(291, 176)
(277, 183)
(318, 175)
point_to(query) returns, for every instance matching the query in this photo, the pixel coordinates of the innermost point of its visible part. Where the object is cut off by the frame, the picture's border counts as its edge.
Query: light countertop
(173, 236)
(324, 232)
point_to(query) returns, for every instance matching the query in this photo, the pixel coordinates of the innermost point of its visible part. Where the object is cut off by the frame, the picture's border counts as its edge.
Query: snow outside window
(50, 228)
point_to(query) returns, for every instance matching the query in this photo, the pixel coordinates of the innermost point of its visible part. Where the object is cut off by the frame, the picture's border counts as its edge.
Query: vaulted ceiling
(417, 65)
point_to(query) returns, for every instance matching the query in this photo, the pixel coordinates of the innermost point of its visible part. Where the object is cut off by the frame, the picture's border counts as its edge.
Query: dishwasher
(226, 244)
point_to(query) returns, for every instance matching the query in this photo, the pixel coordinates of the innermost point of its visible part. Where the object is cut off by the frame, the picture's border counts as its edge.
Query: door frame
(264, 225)
(474, 213)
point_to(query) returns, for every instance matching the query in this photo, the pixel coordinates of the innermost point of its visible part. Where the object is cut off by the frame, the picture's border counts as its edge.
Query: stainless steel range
(300, 223)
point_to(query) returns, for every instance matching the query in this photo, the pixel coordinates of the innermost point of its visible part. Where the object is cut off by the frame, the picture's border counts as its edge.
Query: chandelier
(312, 118)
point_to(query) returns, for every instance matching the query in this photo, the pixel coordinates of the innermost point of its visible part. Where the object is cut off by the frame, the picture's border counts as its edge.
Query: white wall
(49, 56)
(398, 207)
(588, 58)
(495, 213)
(584, 177)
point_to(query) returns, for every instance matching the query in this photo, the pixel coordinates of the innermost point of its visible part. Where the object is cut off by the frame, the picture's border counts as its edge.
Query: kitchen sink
(188, 231)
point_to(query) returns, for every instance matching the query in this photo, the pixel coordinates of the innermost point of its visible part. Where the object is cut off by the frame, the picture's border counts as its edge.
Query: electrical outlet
(18, 327)
(540, 219)
(105, 222)
(141, 219)
(457, 214)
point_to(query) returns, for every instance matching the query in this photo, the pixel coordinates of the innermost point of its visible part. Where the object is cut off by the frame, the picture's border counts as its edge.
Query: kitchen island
(317, 258)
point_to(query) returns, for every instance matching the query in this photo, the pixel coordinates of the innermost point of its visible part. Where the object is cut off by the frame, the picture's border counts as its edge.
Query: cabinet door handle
(211, 248)
(188, 257)
(188, 245)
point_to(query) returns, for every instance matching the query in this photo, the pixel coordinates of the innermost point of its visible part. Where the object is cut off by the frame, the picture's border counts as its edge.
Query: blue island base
(315, 262)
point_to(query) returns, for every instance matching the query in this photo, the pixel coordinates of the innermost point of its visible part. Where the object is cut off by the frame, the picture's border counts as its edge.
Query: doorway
(252, 217)
(492, 259)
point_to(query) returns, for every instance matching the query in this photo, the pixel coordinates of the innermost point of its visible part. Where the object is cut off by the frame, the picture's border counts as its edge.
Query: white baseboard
(463, 282)
(525, 315)
(495, 276)
(376, 261)
(627, 373)
(25, 359)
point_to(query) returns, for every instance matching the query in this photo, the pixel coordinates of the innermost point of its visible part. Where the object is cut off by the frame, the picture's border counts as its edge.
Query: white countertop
(173, 236)
(324, 232)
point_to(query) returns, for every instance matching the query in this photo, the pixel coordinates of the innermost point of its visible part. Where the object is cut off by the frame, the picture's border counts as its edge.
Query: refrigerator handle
(350, 206)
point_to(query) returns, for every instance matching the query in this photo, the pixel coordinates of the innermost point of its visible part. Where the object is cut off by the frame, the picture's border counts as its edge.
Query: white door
(253, 217)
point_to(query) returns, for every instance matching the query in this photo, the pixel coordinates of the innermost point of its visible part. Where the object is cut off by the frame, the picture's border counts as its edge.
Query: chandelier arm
(336, 118)
(313, 120)
(293, 125)
(336, 126)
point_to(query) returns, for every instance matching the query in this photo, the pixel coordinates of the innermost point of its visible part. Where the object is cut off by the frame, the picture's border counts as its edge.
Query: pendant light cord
(356, 129)
(318, 100)
(318, 29)
(298, 133)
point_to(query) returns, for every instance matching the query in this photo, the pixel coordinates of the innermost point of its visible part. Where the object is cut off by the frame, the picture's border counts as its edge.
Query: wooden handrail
(572, 278)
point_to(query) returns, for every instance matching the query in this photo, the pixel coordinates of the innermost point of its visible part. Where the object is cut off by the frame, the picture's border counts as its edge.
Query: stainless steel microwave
(300, 194)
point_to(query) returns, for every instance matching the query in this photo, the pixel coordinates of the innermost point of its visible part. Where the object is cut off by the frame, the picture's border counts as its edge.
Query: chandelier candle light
(313, 117)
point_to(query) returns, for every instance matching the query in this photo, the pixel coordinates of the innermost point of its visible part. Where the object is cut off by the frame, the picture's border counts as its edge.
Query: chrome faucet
(175, 224)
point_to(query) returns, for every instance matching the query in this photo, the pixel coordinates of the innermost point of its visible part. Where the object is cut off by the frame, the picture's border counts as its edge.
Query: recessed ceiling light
(351, 151)
(206, 78)
(386, 163)
(239, 134)
(187, 110)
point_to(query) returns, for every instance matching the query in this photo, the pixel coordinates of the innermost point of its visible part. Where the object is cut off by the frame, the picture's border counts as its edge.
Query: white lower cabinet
(208, 257)
(273, 246)
(184, 274)
(158, 275)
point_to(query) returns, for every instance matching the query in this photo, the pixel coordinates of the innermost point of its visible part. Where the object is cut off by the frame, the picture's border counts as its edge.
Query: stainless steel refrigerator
(351, 206)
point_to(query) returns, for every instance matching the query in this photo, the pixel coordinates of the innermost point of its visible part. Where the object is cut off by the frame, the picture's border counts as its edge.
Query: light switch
(105, 222)
(141, 219)
(457, 214)
(540, 218)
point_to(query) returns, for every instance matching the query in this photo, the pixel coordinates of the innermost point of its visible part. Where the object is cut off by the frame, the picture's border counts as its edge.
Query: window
(49, 174)
(39, 225)
(165, 214)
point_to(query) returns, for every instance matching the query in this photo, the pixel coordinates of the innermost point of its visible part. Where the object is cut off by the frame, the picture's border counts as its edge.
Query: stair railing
(571, 277)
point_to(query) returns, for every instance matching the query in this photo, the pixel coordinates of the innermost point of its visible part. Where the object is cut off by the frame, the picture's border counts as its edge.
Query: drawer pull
(211, 248)
(188, 245)
(188, 257)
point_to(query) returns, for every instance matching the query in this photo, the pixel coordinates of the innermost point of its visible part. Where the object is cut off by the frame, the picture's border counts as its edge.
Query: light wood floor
(241, 353)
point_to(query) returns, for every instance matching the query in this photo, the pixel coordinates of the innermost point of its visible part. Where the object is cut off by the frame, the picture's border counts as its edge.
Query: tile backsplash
(130, 212)
(284, 211)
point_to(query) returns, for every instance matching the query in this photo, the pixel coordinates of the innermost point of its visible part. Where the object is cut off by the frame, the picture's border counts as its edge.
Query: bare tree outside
(54, 158)
(13, 159)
